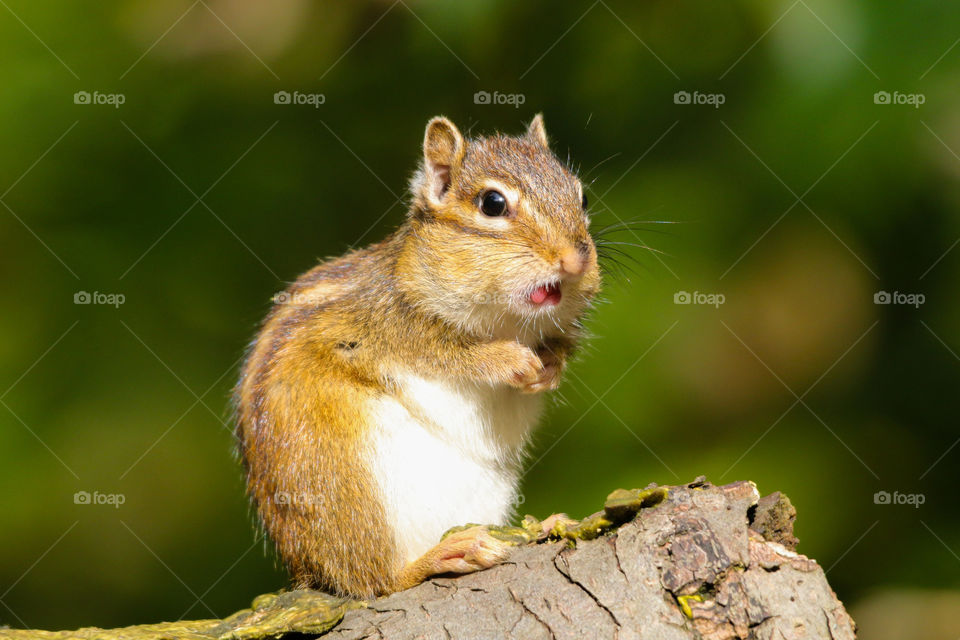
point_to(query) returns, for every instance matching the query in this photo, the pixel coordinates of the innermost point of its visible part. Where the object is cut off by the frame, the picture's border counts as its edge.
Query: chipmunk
(391, 391)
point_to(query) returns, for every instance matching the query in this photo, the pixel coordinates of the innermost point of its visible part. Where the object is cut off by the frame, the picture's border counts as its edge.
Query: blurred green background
(797, 199)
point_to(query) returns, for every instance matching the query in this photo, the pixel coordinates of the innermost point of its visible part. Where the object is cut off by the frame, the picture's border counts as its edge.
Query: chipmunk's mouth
(546, 295)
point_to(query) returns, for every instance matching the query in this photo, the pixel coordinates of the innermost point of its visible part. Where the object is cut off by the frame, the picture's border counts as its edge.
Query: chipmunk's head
(500, 240)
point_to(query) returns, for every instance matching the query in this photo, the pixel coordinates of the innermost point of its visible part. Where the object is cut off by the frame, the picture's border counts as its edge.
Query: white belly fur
(447, 455)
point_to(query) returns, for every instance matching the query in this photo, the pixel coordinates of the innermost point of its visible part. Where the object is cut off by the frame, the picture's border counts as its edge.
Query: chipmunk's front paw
(527, 369)
(548, 378)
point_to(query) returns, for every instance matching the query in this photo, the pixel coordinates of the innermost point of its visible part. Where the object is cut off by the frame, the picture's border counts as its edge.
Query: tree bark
(674, 563)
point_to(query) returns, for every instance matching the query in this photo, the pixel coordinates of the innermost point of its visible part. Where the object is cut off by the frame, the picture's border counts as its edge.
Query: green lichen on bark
(270, 616)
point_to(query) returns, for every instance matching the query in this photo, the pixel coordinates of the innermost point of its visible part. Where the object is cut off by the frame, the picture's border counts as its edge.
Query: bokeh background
(797, 192)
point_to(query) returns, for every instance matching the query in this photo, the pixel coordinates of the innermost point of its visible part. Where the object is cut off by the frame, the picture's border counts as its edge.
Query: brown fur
(330, 344)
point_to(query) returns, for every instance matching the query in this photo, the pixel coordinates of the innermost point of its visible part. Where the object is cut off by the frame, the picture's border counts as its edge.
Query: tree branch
(672, 563)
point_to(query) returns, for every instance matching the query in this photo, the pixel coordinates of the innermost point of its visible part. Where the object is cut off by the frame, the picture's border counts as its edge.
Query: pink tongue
(546, 294)
(539, 294)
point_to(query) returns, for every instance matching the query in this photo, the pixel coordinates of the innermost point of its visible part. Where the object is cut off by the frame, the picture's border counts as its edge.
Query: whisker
(617, 269)
(632, 225)
(638, 245)
(603, 233)
(596, 166)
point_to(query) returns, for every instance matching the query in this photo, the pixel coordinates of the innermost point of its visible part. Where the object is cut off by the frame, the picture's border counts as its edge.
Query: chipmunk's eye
(584, 202)
(493, 204)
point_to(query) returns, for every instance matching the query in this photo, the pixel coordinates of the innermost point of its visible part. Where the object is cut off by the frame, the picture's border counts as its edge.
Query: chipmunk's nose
(572, 262)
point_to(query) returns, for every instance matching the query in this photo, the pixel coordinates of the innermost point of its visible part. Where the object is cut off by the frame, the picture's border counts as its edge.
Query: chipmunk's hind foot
(465, 550)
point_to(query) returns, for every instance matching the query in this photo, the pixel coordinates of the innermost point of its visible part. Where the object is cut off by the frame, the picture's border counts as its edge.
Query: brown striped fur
(414, 301)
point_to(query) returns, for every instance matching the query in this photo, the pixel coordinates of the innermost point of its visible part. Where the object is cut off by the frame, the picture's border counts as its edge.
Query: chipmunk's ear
(443, 150)
(536, 132)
